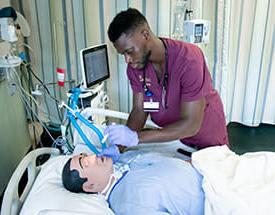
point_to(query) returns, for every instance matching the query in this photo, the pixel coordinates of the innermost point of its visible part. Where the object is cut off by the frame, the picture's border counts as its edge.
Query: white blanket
(237, 184)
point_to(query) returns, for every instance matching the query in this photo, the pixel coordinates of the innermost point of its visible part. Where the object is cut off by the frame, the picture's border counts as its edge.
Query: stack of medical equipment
(95, 69)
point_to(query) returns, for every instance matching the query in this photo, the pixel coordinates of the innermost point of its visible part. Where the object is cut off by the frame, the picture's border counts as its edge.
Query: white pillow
(48, 195)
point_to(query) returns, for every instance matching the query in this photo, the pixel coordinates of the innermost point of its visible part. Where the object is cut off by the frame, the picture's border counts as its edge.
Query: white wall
(14, 134)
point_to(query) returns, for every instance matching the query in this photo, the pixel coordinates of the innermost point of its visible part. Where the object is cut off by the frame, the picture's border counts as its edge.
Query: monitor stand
(89, 97)
(88, 91)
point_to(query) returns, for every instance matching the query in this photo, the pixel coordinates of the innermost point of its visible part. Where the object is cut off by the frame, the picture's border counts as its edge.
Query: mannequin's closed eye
(80, 163)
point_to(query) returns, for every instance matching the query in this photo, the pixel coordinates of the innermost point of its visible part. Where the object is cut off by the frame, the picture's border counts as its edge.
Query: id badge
(151, 106)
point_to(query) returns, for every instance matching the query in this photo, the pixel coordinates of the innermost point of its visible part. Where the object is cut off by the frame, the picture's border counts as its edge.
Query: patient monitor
(94, 70)
(94, 65)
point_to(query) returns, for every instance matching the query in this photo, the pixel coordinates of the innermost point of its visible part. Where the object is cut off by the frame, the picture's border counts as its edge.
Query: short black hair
(71, 179)
(124, 22)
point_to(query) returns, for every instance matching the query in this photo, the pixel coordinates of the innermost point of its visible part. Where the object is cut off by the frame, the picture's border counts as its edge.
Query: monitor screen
(95, 66)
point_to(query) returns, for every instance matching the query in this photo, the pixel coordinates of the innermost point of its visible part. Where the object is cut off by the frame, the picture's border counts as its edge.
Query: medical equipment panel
(196, 31)
(94, 65)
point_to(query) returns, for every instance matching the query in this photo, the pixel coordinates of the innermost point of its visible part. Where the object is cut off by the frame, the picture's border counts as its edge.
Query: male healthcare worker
(171, 82)
(138, 183)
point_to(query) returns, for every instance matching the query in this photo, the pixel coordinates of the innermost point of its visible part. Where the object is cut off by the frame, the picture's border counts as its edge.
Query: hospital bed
(44, 193)
(233, 184)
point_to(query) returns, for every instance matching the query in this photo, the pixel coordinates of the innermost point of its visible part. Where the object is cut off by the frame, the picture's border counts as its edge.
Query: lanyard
(148, 92)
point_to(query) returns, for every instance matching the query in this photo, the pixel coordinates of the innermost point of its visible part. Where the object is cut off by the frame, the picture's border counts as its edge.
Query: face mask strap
(109, 182)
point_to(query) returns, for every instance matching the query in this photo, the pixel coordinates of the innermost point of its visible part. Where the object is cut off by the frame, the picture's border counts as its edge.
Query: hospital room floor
(251, 139)
(248, 139)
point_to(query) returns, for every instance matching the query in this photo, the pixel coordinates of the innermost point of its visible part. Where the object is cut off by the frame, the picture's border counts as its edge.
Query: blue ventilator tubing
(74, 98)
(90, 125)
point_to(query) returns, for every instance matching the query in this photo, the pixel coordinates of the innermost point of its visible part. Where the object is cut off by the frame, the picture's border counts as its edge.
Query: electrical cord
(21, 87)
(24, 95)
(59, 141)
(57, 102)
(37, 117)
(26, 45)
(68, 145)
(22, 91)
(28, 66)
(30, 87)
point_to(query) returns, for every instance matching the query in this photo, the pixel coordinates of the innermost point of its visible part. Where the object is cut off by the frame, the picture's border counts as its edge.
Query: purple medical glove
(111, 152)
(121, 135)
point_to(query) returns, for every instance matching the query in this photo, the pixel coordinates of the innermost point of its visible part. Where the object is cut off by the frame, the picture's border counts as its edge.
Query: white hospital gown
(157, 185)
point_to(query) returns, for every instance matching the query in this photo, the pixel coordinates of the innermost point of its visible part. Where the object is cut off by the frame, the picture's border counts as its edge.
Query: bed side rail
(12, 202)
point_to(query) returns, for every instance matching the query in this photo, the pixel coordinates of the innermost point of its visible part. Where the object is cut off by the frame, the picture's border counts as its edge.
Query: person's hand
(121, 135)
(111, 152)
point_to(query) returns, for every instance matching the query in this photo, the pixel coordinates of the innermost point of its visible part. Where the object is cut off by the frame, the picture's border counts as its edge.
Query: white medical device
(94, 70)
(9, 18)
(7, 30)
(10, 22)
(196, 31)
(94, 65)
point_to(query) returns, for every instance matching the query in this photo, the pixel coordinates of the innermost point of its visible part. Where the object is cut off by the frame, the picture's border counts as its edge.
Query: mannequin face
(97, 170)
(134, 48)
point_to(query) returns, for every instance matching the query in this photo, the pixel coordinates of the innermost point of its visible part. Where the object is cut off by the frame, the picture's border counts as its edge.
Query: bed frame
(13, 201)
